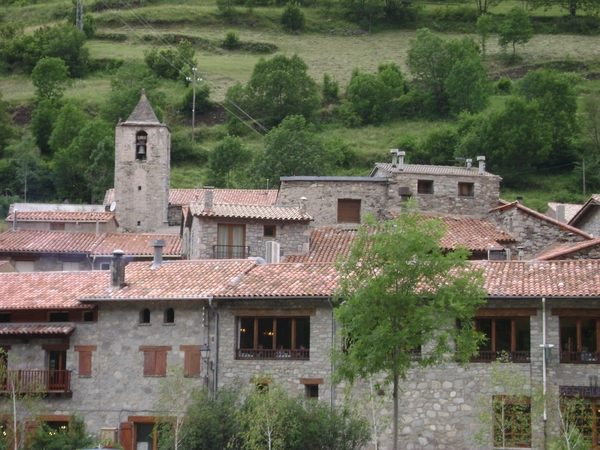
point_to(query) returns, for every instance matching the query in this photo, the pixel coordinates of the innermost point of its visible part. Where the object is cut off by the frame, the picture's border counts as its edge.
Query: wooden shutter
(85, 359)
(155, 360)
(349, 210)
(160, 363)
(126, 439)
(149, 362)
(191, 360)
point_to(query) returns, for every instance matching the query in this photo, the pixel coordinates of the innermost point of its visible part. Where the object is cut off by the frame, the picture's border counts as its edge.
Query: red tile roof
(61, 216)
(541, 216)
(47, 290)
(326, 244)
(136, 244)
(173, 280)
(576, 278)
(36, 241)
(265, 212)
(231, 196)
(35, 330)
(566, 249)
(286, 280)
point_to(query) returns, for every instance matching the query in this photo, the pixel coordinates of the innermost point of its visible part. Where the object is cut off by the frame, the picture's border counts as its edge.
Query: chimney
(401, 155)
(15, 220)
(208, 198)
(481, 161)
(303, 204)
(158, 245)
(117, 269)
(394, 153)
(560, 213)
(469, 163)
(520, 200)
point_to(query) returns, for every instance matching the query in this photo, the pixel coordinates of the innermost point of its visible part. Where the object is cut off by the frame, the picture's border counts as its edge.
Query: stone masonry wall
(591, 223)
(53, 263)
(531, 232)
(323, 194)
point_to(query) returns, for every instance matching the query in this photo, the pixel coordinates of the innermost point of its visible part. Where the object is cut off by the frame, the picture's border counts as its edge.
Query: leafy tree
(203, 102)
(73, 438)
(467, 87)
(364, 12)
(484, 5)
(484, 29)
(293, 17)
(69, 123)
(428, 61)
(231, 41)
(6, 129)
(26, 155)
(293, 149)
(42, 124)
(224, 158)
(591, 123)
(401, 293)
(50, 76)
(439, 146)
(575, 416)
(330, 89)
(171, 63)
(590, 7)
(515, 29)
(100, 173)
(278, 87)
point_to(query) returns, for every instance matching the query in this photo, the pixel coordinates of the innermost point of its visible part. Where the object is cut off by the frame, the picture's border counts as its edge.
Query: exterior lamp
(547, 351)
(205, 352)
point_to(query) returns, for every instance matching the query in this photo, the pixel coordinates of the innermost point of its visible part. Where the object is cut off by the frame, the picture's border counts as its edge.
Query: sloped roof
(265, 212)
(143, 112)
(37, 241)
(431, 170)
(570, 210)
(566, 249)
(60, 216)
(136, 244)
(587, 207)
(54, 207)
(10, 329)
(47, 290)
(576, 278)
(326, 244)
(180, 197)
(506, 206)
(172, 280)
(286, 280)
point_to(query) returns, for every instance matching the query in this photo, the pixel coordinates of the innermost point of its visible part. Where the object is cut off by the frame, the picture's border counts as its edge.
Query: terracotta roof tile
(266, 212)
(36, 241)
(136, 244)
(433, 170)
(47, 290)
(60, 216)
(231, 196)
(326, 244)
(570, 210)
(35, 330)
(566, 249)
(286, 280)
(173, 280)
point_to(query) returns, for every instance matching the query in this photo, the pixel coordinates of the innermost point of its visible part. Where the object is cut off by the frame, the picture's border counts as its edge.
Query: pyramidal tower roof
(143, 112)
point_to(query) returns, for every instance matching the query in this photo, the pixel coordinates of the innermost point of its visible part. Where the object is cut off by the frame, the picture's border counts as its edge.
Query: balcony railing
(231, 251)
(261, 353)
(515, 357)
(38, 382)
(580, 357)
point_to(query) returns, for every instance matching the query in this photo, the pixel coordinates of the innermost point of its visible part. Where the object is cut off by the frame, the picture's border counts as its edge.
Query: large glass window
(273, 338)
(505, 337)
(579, 340)
(230, 242)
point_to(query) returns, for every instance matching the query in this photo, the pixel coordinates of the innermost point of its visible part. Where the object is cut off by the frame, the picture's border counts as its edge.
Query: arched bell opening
(141, 141)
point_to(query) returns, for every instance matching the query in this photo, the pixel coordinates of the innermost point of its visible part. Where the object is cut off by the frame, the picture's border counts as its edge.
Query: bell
(141, 149)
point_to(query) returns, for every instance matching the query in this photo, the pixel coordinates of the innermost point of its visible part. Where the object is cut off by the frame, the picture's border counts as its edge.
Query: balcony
(515, 357)
(39, 382)
(580, 357)
(231, 251)
(261, 353)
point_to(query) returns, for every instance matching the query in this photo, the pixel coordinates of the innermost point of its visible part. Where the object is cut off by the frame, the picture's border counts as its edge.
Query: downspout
(216, 359)
(544, 350)
(331, 387)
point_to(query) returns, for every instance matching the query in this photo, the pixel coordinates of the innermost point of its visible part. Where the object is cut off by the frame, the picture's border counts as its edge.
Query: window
(579, 340)
(466, 189)
(25, 266)
(311, 386)
(85, 359)
(348, 210)
(512, 421)
(54, 226)
(169, 316)
(58, 317)
(424, 186)
(191, 360)
(270, 231)
(230, 242)
(68, 266)
(88, 316)
(145, 316)
(155, 360)
(273, 338)
(105, 266)
(141, 140)
(507, 337)
(58, 377)
(4, 317)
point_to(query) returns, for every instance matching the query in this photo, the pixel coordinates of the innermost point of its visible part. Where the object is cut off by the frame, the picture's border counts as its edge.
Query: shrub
(184, 150)
(171, 63)
(330, 89)
(293, 17)
(503, 86)
(231, 41)
(73, 438)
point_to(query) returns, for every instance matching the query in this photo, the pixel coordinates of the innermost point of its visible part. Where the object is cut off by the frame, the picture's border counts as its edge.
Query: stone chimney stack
(560, 213)
(117, 270)
(401, 155)
(158, 245)
(15, 228)
(208, 198)
(394, 153)
(481, 161)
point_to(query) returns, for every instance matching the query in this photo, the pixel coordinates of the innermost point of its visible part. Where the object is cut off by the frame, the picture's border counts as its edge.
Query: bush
(184, 150)
(203, 102)
(231, 41)
(293, 17)
(171, 63)
(330, 89)
(73, 438)
(503, 86)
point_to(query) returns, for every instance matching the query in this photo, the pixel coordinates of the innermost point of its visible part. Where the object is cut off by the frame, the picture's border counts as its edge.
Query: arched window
(169, 316)
(141, 140)
(145, 316)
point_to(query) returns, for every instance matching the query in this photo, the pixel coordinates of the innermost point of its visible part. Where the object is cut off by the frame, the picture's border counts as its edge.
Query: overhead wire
(182, 58)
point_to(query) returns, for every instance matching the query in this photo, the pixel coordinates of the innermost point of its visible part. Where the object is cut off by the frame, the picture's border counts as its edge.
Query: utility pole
(79, 16)
(194, 78)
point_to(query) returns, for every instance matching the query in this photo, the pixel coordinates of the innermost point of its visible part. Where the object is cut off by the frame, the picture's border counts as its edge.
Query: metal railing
(580, 357)
(37, 381)
(261, 353)
(515, 357)
(231, 251)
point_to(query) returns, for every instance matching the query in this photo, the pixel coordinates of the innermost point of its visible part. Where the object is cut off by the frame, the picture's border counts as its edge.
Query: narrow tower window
(141, 139)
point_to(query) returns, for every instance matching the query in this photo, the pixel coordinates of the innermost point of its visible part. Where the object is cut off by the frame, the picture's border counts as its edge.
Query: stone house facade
(61, 217)
(587, 217)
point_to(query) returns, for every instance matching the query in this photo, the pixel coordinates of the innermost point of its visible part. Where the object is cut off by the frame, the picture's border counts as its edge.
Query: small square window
(466, 190)
(139, 188)
(311, 390)
(5, 318)
(58, 317)
(88, 316)
(105, 266)
(139, 224)
(424, 186)
(57, 226)
(348, 210)
(270, 231)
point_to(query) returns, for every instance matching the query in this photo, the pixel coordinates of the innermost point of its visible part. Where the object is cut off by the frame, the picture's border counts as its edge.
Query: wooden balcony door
(231, 241)
(57, 364)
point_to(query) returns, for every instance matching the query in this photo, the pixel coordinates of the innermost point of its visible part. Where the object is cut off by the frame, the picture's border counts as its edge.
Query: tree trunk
(395, 395)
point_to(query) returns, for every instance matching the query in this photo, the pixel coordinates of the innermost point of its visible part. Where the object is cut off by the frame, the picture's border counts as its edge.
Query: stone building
(588, 217)
(61, 217)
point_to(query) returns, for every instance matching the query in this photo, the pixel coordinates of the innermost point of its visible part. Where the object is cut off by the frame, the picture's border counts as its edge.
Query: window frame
(192, 365)
(273, 231)
(468, 187)
(348, 210)
(155, 360)
(512, 402)
(579, 355)
(85, 359)
(514, 354)
(229, 252)
(425, 187)
(277, 351)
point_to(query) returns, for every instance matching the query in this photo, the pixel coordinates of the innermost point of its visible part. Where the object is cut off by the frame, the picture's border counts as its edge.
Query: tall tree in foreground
(515, 29)
(400, 299)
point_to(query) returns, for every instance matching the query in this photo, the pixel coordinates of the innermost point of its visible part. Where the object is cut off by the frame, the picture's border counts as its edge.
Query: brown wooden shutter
(160, 363)
(126, 439)
(85, 359)
(149, 362)
(349, 210)
(191, 360)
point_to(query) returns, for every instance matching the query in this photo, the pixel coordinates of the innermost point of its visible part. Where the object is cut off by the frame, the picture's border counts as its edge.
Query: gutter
(216, 359)
(331, 387)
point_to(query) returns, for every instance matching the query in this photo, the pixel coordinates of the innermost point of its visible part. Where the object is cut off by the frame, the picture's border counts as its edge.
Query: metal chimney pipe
(469, 163)
(481, 161)
(117, 270)
(158, 245)
(394, 153)
(401, 155)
